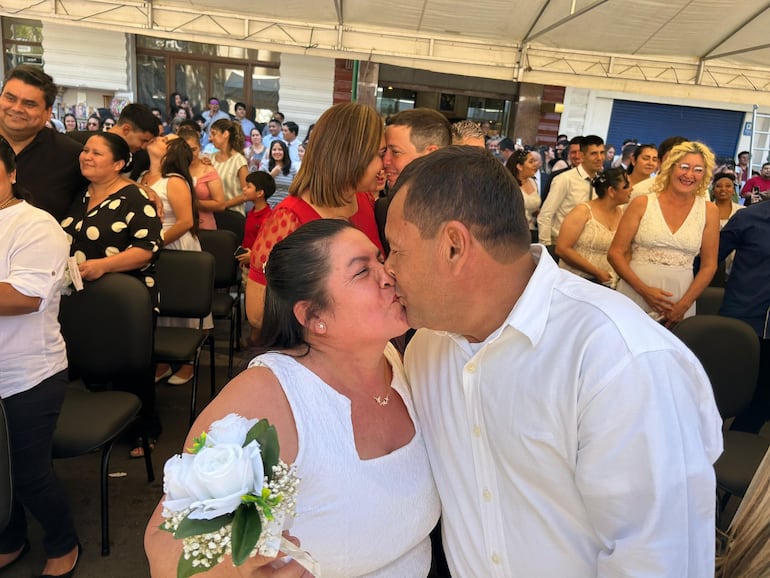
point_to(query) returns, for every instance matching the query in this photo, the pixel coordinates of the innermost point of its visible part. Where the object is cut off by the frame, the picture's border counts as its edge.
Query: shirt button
(487, 495)
(477, 431)
(495, 558)
(471, 368)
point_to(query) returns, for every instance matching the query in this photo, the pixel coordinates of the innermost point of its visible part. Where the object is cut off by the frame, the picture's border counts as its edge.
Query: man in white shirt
(290, 131)
(568, 433)
(273, 133)
(240, 117)
(570, 189)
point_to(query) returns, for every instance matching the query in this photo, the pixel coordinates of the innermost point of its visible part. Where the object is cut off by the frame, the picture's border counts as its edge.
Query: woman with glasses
(108, 123)
(587, 231)
(661, 233)
(94, 123)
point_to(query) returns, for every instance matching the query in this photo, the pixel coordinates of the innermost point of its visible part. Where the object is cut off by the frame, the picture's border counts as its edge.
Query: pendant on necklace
(382, 401)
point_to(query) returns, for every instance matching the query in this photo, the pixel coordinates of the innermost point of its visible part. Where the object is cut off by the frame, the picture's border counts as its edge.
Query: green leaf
(198, 443)
(267, 437)
(188, 527)
(255, 431)
(185, 568)
(268, 444)
(247, 527)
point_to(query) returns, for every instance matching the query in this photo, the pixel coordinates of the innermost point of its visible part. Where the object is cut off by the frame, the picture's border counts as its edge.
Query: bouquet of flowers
(230, 495)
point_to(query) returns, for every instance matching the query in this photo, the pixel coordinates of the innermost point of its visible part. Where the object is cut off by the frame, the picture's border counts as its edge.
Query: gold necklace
(383, 401)
(8, 202)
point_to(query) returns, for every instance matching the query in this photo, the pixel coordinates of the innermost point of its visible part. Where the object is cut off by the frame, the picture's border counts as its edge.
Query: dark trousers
(754, 417)
(32, 419)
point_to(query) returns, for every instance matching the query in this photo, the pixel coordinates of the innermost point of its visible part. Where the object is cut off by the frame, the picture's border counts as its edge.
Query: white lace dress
(356, 517)
(592, 245)
(664, 259)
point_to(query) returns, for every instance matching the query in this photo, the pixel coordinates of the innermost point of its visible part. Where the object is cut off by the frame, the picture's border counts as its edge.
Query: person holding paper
(33, 366)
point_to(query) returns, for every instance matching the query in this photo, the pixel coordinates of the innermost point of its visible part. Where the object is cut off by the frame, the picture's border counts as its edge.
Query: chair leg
(212, 361)
(148, 459)
(194, 392)
(232, 345)
(105, 497)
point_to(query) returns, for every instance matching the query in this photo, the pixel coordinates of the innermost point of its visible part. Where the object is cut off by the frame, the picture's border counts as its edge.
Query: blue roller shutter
(651, 123)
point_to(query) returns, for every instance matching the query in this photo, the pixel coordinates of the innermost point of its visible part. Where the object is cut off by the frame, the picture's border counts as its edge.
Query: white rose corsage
(231, 494)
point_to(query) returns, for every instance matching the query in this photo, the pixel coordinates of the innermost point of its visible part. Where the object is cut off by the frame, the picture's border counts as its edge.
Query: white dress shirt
(568, 190)
(33, 256)
(577, 440)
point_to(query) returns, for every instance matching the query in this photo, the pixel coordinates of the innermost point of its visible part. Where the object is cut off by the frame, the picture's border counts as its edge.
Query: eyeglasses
(697, 169)
(109, 124)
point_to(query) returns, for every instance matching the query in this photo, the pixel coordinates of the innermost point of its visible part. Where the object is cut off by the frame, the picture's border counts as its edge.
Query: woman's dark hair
(297, 270)
(8, 158)
(117, 145)
(286, 166)
(307, 136)
(235, 139)
(609, 178)
(177, 162)
(637, 151)
(519, 157)
(723, 175)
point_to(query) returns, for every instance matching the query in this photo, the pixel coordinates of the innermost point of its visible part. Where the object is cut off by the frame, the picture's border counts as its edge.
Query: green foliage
(188, 527)
(267, 438)
(247, 527)
(198, 443)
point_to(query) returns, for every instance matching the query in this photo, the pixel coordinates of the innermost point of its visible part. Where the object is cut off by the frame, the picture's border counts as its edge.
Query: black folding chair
(185, 282)
(227, 274)
(108, 331)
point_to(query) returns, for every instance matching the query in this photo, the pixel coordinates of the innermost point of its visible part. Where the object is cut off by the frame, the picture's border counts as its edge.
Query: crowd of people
(599, 450)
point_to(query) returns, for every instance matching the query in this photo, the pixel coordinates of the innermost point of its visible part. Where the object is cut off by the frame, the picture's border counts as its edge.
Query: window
(22, 42)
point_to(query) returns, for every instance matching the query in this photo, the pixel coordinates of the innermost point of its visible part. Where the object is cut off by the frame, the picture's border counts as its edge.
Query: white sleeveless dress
(356, 517)
(664, 259)
(592, 245)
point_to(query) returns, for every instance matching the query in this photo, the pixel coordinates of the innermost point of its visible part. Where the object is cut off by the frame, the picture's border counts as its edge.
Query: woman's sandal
(137, 452)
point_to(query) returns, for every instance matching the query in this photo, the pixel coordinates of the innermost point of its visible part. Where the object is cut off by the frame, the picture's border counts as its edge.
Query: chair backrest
(222, 244)
(709, 301)
(185, 282)
(108, 328)
(6, 486)
(728, 349)
(231, 221)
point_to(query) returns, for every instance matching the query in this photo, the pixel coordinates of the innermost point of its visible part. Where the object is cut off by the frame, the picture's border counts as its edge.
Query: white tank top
(356, 517)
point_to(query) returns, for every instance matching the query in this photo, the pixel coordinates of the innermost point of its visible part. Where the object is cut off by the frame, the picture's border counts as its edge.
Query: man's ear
(455, 239)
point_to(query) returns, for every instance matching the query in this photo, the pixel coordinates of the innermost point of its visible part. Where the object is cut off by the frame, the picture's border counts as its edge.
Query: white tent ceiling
(707, 49)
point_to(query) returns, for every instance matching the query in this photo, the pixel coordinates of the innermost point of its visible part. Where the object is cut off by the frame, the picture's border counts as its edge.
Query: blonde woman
(661, 233)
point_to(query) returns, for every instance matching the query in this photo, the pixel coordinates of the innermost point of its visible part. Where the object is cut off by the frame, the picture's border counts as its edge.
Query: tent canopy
(709, 49)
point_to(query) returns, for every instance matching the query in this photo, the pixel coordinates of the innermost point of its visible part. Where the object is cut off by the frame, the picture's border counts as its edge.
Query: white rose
(220, 475)
(231, 429)
(175, 482)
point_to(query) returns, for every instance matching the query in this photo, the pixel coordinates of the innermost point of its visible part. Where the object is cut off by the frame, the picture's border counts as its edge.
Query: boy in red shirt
(260, 186)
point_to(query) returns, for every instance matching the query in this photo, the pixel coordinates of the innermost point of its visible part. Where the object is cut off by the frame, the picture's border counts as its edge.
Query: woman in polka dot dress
(114, 227)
